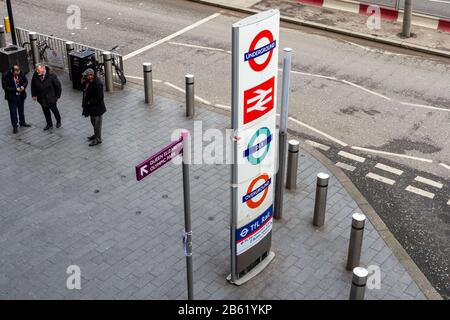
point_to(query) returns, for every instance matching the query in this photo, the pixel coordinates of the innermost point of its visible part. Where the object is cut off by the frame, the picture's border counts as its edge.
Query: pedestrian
(46, 89)
(93, 104)
(15, 83)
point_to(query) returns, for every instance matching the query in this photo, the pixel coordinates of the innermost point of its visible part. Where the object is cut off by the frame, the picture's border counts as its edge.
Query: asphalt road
(347, 93)
(439, 8)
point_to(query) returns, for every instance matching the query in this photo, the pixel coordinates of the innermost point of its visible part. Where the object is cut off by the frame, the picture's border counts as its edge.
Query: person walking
(46, 89)
(93, 104)
(14, 84)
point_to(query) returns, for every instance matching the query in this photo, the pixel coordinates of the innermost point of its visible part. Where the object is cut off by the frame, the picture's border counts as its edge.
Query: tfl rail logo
(258, 100)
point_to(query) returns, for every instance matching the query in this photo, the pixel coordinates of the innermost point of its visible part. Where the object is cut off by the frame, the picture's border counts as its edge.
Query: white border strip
(393, 154)
(420, 192)
(380, 178)
(351, 156)
(389, 169)
(429, 182)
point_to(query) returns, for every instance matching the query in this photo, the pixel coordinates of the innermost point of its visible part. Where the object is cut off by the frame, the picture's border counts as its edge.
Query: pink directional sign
(158, 160)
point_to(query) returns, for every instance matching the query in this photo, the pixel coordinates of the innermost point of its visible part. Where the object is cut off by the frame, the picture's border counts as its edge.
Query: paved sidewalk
(65, 203)
(423, 37)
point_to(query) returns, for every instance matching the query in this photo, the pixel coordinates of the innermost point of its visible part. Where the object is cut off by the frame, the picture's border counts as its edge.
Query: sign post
(187, 238)
(254, 92)
(158, 160)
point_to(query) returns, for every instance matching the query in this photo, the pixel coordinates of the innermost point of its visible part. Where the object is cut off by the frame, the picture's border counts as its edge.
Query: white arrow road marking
(380, 178)
(351, 156)
(144, 170)
(420, 192)
(345, 166)
(429, 182)
(317, 145)
(389, 169)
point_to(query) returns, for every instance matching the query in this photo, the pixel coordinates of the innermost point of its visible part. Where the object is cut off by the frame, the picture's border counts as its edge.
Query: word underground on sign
(158, 160)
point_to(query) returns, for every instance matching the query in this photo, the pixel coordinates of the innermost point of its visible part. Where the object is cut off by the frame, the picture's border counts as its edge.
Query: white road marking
(222, 106)
(448, 203)
(423, 106)
(446, 166)
(319, 132)
(367, 90)
(173, 35)
(393, 154)
(380, 178)
(318, 145)
(375, 50)
(351, 156)
(345, 166)
(440, 1)
(420, 192)
(389, 169)
(313, 75)
(174, 86)
(202, 100)
(140, 78)
(199, 47)
(429, 182)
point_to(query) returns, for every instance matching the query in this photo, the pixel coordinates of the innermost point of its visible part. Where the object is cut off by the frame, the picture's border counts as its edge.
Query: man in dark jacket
(93, 104)
(15, 84)
(46, 89)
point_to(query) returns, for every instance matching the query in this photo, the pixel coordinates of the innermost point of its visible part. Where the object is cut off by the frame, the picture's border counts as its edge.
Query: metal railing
(59, 45)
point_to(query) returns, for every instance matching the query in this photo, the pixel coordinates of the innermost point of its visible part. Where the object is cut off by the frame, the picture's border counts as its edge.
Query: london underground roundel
(267, 50)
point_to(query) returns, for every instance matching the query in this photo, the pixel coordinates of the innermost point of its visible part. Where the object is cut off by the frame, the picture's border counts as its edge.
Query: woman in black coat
(14, 84)
(93, 104)
(46, 89)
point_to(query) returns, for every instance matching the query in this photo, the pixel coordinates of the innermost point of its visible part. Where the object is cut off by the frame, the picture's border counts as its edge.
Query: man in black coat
(93, 104)
(15, 84)
(46, 89)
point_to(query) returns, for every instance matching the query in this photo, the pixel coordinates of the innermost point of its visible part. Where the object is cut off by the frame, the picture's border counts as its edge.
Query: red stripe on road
(318, 3)
(444, 25)
(386, 13)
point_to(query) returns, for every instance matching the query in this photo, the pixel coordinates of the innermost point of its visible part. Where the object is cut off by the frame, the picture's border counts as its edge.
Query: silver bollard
(34, 47)
(356, 239)
(69, 48)
(107, 60)
(190, 96)
(292, 166)
(359, 281)
(148, 83)
(321, 199)
(2, 36)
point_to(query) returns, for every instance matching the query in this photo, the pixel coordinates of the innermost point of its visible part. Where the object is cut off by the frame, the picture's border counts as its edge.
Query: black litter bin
(12, 55)
(79, 62)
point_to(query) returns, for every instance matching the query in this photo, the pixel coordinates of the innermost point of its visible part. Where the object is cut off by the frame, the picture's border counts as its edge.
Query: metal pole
(148, 83)
(187, 215)
(359, 281)
(356, 239)
(34, 47)
(11, 22)
(407, 13)
(2, 36)
(282, 138)
(69, 48)
(292, 166)
(321, 199)
(107, 60)
(234, 166)
(190, 95)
